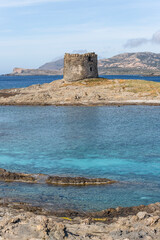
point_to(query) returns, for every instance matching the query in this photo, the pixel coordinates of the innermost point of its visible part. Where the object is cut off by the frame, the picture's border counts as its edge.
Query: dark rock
(42, 179)
(77, 180)
(11, 176)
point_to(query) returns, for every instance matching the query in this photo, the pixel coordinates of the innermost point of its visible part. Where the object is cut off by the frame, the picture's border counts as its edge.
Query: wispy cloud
(156, 37)
(23, 3)
(136, 42)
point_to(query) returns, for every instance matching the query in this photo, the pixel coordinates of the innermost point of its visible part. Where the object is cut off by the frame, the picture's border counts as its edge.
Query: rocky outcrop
(89, 92)
(18, 71)
(56, 180)
(15, 177)
(18, 222)
(77, 181)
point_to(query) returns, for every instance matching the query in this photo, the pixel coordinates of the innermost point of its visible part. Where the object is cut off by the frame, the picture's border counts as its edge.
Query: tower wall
(80, 66)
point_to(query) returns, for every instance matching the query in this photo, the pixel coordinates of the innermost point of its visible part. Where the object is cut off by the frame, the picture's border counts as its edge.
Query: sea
(25, 81)
(120, 143)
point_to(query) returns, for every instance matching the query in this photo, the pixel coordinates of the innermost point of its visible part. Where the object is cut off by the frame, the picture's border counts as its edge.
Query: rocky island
(87, 92)
(81, 86)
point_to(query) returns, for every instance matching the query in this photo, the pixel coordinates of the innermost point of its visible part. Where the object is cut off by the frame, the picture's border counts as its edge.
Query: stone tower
(80, 66)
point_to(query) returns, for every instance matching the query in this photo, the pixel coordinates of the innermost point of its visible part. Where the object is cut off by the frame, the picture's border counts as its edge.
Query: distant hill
(143, 63)
(131, 63)
(58, 64)
(54, 65)
(126, 63)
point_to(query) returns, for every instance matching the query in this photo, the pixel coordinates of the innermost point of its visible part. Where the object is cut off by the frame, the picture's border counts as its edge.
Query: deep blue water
(121, 143)
(25, 81)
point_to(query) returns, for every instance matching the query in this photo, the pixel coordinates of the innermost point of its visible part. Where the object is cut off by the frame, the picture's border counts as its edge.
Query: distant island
(140, 63)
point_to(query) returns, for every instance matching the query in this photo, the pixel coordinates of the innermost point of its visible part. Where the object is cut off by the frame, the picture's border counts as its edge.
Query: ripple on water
(110, 142)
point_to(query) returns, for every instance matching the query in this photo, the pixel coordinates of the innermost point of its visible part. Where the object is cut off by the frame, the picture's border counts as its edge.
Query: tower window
(89, 59)
(91, 69)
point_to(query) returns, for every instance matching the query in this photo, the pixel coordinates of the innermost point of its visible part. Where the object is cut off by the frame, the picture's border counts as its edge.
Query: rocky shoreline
(19, 220)
(89, 92)
(22, 221)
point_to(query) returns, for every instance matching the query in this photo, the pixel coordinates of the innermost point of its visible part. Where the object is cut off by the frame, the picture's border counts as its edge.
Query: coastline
(89, 92)
(21, 220)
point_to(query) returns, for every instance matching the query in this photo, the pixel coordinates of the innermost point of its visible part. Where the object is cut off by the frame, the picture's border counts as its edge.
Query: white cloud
(23, 3)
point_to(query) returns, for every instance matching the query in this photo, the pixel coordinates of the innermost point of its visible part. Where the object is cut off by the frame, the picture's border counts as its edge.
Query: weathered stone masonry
(80, 66)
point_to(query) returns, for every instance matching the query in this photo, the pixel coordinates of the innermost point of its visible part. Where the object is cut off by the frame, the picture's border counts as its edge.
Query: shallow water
(121, 143)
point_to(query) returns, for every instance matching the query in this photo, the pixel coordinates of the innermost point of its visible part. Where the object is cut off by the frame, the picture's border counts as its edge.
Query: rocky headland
(34, 72)
(88, 92)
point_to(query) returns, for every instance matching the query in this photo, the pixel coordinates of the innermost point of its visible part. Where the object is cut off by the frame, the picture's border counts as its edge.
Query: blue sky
(33, 32)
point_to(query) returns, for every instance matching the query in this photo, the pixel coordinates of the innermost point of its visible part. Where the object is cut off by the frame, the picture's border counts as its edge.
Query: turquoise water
(121, 143)
(25, 81)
